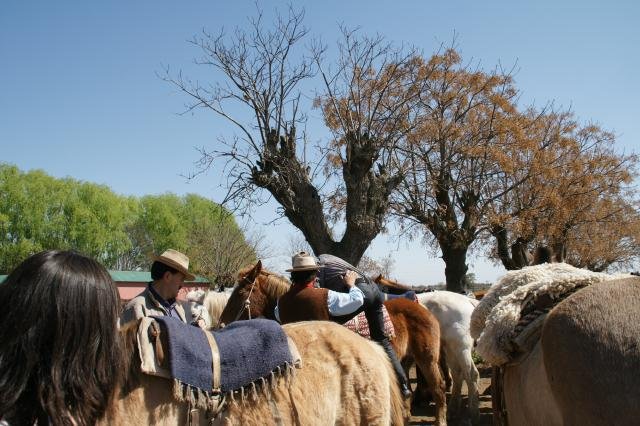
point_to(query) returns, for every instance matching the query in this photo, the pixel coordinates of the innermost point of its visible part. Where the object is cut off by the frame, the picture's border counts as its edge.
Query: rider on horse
(332, 301)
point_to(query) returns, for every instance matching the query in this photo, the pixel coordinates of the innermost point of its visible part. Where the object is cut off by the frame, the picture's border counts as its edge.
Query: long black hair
(60, 353)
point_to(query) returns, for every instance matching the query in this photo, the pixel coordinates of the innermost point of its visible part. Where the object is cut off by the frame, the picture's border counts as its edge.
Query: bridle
(247, 303)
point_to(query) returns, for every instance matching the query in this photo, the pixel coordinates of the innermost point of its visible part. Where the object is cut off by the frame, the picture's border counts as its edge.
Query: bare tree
(220, 250)
(297, 243)
(365, 102)
(374, 267)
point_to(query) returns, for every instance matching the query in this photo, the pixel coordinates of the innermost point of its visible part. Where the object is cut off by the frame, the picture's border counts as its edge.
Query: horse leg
(421, 396)
(444, 367)
(471, 377)
(431, 370)
(463, 370)
(455, 402)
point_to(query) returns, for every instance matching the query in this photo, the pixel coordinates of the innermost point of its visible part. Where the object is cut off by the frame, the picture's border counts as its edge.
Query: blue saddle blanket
(249, 350)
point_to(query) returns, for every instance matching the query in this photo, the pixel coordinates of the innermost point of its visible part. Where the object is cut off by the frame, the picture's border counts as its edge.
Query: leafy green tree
(200, 228)
(216, 243)
(162, 219)
(39, 212)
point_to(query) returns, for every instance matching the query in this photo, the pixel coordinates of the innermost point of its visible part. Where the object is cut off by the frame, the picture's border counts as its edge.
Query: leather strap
(215, 357)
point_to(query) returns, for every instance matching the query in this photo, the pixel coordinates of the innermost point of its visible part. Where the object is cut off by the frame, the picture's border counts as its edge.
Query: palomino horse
(570, 360)
(453, 312)
(344, 379)
(417, 330)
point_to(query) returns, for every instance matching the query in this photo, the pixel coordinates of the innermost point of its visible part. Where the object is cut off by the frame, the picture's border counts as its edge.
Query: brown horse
(417, 330)
(453, 312)
(335, 385)
(584, 357)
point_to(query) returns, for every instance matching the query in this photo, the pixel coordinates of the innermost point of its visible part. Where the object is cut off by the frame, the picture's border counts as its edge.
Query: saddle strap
(215, 357)
(497, 397)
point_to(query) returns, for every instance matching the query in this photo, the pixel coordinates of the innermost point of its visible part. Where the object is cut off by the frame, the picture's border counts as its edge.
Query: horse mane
(130, 368)
(274, 285)
(129, 376)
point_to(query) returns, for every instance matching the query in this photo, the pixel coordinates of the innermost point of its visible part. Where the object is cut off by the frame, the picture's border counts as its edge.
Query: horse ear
(253, 273)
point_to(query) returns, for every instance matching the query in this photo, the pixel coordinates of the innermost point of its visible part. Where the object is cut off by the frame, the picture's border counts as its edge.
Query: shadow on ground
(425, 415)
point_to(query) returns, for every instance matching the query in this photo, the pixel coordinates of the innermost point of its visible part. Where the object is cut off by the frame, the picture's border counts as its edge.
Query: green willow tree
(39, 212)
(200, 228)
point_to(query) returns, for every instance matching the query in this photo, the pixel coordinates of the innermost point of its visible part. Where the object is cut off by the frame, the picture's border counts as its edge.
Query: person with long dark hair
(60, 353)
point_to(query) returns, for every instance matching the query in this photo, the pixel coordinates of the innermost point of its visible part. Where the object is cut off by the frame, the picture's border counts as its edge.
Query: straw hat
(177, 261)
(303, 261)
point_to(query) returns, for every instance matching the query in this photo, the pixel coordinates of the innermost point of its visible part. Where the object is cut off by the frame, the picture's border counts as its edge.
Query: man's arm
(345, 303)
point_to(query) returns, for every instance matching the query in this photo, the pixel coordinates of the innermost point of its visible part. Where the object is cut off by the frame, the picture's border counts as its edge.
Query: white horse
(213, 301)
(453, 312)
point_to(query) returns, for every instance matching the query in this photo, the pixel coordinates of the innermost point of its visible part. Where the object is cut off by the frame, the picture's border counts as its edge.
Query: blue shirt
(339, 303)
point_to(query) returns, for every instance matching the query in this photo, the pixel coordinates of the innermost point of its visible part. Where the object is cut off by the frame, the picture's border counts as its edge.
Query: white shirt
(339, 303)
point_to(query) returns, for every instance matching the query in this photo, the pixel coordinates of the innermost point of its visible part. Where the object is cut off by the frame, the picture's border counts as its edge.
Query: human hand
(350, 278)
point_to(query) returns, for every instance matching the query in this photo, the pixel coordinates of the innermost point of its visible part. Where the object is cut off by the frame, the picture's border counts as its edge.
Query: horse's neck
(272, 288)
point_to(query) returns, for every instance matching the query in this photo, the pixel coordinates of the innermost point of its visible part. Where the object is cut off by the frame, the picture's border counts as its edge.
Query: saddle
(206, 368)
(508, 321)
(360, 325)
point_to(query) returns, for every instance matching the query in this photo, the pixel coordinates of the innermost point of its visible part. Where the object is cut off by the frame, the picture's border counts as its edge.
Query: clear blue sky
(79, 94)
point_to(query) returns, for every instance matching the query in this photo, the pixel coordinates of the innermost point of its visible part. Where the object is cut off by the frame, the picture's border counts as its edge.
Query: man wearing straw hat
(168, 272)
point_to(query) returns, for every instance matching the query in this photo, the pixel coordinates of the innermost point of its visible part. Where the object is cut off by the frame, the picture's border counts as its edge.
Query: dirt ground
(425, 415)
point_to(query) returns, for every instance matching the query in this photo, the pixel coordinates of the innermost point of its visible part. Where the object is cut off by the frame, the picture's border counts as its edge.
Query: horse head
(245, 301)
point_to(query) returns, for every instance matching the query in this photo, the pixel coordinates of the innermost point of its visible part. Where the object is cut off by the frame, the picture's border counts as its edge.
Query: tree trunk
(287, 179)
(455, 259)
(512, 257)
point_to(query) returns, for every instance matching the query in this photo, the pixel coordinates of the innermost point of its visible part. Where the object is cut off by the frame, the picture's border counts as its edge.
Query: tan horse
(583, 368)
(417, 330)
(344, 379)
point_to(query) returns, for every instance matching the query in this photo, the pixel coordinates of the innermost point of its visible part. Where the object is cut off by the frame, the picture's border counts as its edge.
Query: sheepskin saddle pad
(239, 359)
(360, 325)
(508, 321)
